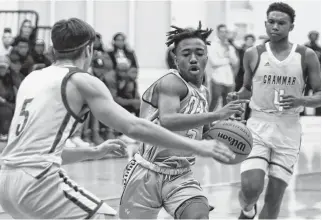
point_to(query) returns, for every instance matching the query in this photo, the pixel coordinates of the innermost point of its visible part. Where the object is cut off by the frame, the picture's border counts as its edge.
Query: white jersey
(273, 78)
(42, 120)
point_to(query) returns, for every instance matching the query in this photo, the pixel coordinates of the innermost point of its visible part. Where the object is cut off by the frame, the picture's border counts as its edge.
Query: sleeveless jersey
(273, 78)
(42, 120)
(195, 102)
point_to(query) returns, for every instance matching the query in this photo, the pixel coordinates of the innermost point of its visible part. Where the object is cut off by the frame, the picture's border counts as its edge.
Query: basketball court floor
(220, 182)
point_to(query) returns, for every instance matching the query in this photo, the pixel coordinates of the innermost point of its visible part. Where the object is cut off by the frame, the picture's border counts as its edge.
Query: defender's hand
(289, 101)
(233, 107)
(232, 96)
(216, 150)
(115, 146)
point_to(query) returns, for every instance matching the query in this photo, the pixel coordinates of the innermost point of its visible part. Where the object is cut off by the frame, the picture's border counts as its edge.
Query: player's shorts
(147, 189)
(53, 196)
(276, 145)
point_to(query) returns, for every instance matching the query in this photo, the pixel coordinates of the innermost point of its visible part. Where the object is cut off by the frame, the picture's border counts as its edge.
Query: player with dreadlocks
(159, 177)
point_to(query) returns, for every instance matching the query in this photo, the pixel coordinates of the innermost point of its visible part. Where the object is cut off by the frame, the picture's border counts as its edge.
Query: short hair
(282, 7)
(312, 33)
(70, 37)
(179, 34)
(119, 34)
(249, 36)
(7, 30)
(221, 26)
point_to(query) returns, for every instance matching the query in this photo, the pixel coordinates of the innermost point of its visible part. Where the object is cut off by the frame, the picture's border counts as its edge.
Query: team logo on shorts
(130, 167)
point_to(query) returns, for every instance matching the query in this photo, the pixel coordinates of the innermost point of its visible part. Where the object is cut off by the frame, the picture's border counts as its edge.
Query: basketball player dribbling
(159, 177)
(275, 77)
(50, 104)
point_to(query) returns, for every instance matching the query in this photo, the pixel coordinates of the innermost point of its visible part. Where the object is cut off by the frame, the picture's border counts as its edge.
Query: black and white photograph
(160, 109)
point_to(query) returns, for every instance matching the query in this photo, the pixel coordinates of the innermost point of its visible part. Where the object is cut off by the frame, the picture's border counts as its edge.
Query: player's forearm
(244, 93)
(74, 155)
(148, 132)
(179, 122)
(313, 101)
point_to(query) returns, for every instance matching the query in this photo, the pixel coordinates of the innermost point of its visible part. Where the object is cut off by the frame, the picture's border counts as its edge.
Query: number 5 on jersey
(25, 114)
(277, 98)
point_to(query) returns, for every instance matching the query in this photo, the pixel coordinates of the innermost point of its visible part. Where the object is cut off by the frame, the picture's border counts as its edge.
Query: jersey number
(25, 114)
(278, 98)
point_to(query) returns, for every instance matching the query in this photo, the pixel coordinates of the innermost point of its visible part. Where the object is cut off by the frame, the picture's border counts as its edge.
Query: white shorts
(53, 196)
(276, 144)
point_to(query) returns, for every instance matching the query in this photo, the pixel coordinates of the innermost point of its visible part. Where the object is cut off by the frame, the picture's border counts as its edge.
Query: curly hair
(179, 34)
(282, 7)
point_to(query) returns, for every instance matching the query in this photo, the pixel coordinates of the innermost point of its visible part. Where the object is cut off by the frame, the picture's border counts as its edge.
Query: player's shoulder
(82, 79)
(171, 82)
(308, 51)
(251, 52)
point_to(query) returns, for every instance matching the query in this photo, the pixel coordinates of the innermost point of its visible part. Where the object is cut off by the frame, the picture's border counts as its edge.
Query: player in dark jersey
(159, 177)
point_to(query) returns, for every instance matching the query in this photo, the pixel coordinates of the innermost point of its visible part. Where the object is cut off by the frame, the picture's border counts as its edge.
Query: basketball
(235, 135)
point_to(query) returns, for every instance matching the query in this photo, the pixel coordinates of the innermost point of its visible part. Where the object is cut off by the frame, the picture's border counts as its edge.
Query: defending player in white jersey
(275, 78)
(50, 104)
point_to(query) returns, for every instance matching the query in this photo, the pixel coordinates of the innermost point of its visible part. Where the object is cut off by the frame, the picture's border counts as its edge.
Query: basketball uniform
(159, 177)
(32, 183)
(276, 131)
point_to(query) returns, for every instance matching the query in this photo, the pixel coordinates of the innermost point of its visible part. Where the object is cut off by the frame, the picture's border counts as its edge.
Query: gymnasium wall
(146, 22)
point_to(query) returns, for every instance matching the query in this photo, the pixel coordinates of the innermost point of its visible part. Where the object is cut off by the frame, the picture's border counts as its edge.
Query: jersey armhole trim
(64, 96)
(154, 85)
(259, 53)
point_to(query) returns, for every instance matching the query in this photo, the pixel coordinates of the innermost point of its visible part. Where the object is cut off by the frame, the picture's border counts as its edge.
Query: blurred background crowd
(116, 64)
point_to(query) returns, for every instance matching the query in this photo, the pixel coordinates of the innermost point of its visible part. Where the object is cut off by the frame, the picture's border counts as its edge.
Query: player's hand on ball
(233, 107)
(114, 146)
(232, 96)
(217, 150)
(289, 101)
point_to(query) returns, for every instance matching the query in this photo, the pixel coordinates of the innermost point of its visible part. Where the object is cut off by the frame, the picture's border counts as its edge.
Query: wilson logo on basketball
(232, 141)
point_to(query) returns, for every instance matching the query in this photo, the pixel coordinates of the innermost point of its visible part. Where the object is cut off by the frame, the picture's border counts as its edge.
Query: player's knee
(194, 208)
(252, 184)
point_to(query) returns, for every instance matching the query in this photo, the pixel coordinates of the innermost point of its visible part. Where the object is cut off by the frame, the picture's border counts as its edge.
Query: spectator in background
(127, 91)
(7, 40)
(121, 54)
(38, 56)
(98, 43)
(9, 84)
(20, 57)
(27, 31)
(102, 68)
(222, 59)
(249, 41)
(313, 44)
(50, 54)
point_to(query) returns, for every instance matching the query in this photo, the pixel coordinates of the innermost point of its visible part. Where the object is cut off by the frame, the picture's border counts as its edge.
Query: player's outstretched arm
(314, 80)
(78, 154)
(171, 90)
(98, 98)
